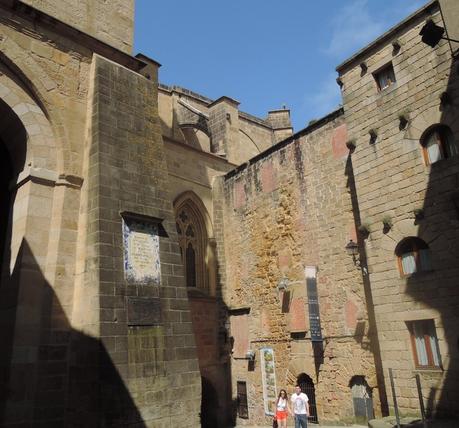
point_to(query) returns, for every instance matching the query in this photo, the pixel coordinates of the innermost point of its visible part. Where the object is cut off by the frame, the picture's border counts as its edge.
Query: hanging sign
(313, 303)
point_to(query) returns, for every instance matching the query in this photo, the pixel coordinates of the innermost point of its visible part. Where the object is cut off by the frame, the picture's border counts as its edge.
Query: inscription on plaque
(143, 311)
(141, 252)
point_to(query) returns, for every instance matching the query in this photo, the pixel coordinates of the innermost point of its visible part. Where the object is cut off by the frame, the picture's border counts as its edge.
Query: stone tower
(94, 316)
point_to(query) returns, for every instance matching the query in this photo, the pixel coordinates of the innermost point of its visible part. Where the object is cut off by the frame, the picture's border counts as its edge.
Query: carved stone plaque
(143, 311)
(141, 252)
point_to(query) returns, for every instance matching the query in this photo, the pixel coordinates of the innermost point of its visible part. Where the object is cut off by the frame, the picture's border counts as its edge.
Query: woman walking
(282, 409)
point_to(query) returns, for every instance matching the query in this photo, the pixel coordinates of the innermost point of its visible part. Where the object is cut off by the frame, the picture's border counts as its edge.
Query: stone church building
(169, 260)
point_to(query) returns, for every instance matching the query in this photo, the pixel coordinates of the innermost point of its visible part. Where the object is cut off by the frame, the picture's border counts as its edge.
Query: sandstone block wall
(88, 148)
(38, 271)
(291, 208)
(393, 180)
(110, 21)
(127, 172)
(220, 126)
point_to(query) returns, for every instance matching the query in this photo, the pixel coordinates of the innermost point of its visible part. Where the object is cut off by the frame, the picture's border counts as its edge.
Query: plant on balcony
(387, 223)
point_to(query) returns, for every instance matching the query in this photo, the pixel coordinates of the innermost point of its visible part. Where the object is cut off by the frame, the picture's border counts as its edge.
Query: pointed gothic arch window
(192, 238)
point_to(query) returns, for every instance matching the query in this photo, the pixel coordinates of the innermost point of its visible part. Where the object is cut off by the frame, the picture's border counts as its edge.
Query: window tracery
(192, 240)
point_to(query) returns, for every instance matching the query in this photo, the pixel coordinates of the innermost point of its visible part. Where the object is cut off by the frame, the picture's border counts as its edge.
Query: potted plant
(373, 135)
(403, 120)
(445, 98)
(364, 230)
(387, 223)
(418, 213)
(351, 144)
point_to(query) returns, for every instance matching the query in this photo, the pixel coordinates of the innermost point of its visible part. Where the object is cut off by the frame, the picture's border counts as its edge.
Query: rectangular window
(385, 77)
(242, 407)
(424, 343)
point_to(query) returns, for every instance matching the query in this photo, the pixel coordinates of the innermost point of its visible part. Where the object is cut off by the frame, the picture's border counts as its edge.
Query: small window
(438, 143)
(424, 343)
(190, 266)
(385, 77)
(413, 256)
(242, 407)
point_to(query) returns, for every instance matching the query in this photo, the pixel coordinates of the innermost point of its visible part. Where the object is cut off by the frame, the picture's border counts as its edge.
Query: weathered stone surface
(393, 180)
(301, 221)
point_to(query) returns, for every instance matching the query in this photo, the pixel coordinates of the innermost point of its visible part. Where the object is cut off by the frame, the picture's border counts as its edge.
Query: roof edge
(305, 131)
(92, 43)
(428, 8)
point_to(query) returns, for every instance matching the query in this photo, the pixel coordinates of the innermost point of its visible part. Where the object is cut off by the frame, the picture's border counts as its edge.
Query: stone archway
(13, 148)
(204, 307)
(307, 386)
(362, 399)
(36, 273)
(6, 176)
(13, 143)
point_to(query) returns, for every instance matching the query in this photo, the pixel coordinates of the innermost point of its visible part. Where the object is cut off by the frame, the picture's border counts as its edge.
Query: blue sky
(263, 53)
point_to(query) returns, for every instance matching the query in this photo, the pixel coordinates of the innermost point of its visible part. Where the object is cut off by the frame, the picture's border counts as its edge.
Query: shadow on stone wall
(51, 374)
(372, 328)
(438, 289)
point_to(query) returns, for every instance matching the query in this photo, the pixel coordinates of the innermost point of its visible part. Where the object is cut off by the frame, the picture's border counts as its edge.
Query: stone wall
(125, 174)
(43, 89)
(231, 133)
(288, 209)
(85, 142)
(110, 21)
(393, 180)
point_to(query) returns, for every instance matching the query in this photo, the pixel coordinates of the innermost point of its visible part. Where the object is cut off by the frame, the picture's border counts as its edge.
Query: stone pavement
(390, 422)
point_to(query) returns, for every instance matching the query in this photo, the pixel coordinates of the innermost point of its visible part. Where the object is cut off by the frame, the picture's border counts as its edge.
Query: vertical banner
(269, 380)
(313, 303)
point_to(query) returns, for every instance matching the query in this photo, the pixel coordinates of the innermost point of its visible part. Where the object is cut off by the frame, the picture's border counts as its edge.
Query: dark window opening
(190, 266)
(385, 77)
(242, 406)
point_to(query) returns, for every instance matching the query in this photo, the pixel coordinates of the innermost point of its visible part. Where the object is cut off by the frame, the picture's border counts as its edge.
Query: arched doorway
(361, 398)
(13, 142)
(307, 386)
(6, 176)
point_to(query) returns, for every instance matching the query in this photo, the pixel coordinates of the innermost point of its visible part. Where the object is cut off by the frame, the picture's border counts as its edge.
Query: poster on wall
(268, 374)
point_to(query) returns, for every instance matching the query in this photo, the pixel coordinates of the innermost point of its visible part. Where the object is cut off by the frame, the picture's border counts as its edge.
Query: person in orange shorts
(282, 409)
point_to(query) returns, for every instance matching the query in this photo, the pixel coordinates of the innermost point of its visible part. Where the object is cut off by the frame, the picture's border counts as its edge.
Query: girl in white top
(282, 407)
